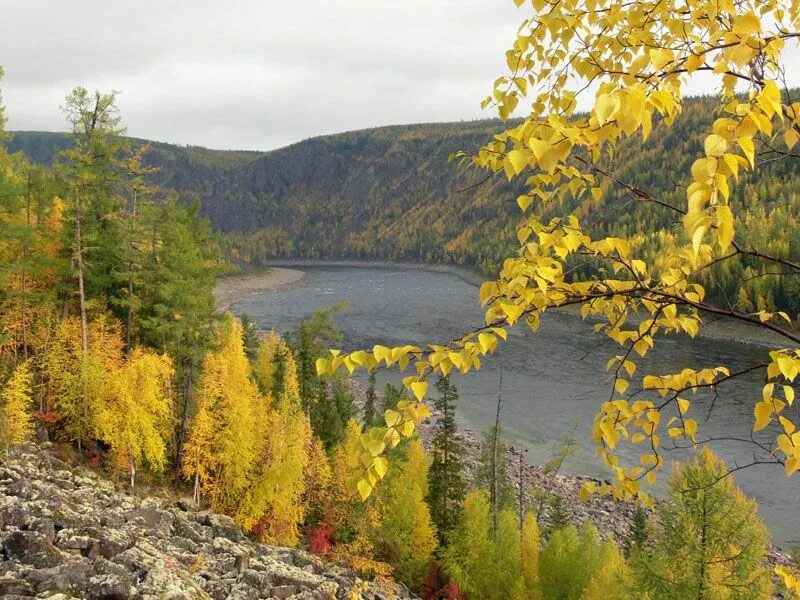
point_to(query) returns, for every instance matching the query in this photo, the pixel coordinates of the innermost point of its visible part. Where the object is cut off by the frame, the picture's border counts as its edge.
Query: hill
(67, 531)
(390, 193)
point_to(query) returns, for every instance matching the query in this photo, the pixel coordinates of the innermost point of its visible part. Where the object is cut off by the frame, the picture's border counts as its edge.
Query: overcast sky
(257, 74)
(254, 74)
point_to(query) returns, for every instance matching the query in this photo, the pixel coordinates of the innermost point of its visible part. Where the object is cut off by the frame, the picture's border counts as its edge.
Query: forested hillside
(390, 193)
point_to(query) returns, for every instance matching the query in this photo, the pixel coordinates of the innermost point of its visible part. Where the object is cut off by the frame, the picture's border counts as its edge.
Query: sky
(254, 74)
(258, 74)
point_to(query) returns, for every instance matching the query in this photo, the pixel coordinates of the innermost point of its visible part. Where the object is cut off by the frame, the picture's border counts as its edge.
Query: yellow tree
(76, 380)
(17, 413)
(135, 418)
(529, 544)
(627, 66)
(221, 453)
(406, 536)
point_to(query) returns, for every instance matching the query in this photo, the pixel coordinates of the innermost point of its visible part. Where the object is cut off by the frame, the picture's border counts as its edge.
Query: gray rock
(32, 548)
(13, 586)
(109, 587)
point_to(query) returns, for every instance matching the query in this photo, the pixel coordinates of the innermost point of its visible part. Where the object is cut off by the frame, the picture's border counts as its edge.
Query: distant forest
(391, 193)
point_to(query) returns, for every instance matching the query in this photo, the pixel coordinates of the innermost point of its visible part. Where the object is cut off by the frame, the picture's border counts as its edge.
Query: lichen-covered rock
(66, 533)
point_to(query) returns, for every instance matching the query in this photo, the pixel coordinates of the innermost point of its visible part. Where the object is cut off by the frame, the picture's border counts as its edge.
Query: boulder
(32, 548)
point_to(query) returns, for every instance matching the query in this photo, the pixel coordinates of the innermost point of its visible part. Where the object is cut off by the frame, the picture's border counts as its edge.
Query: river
(552, 381)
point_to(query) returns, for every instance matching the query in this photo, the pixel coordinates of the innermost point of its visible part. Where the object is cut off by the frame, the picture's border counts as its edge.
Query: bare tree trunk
(520, 495)
(24, 282)
(197, 490)
(79, 261)
(495, 458)
(129, 322)
(132, 464)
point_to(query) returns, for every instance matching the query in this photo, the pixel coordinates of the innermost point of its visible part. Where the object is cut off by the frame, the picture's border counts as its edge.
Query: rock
(224, 527)
(67, 534)
(12, 586)
(283, 591)
(31, 548)
(46, 527)
(109, 587)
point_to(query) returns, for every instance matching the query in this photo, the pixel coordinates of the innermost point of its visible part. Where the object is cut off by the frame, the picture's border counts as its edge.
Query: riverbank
(283, 274)
(236, 287)
(471, 276)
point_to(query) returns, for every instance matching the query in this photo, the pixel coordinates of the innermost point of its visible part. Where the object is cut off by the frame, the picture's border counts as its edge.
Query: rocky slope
(67, 533)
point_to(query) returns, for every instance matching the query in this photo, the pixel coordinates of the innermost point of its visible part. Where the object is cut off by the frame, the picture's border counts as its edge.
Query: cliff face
(66, 532)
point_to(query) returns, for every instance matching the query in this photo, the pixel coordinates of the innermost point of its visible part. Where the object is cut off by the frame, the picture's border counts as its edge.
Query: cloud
(256, 74)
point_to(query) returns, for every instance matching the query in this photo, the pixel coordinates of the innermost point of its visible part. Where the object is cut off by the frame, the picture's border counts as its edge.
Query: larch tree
(89, 167)
(17, 407)
(626, 67)
(135, 418)
(529, 551)
(225, 448)
(709, 543)
(406, 537)
(446, 477)
(274, 506)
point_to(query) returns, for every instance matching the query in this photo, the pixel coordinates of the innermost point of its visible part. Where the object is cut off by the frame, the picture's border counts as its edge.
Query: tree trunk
(129, 321)
(495, 458)
(197, 490)
(24, 282)
(79, 264)
(132, 464)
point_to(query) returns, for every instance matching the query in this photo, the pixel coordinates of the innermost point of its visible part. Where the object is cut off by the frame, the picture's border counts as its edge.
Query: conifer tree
(233, 404)
(447, 486)
(710, 542)
(483, 563)
(135, 418)
(406, 537)
(529, 543)
(249, 336)
(370, 404)
(17, 413)
(609, 579)
(488, 470)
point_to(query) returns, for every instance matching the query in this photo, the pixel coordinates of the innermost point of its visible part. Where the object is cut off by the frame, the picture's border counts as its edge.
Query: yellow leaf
(763, 414)
(715, 145)
(364, 489)
(724, 226)
(606, 108)
(381, 466)
(683, 405)
(746, 25)
(661, 57)
(690, 426)
(420, 388)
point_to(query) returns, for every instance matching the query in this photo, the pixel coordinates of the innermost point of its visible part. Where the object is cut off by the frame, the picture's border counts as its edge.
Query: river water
(552, 381)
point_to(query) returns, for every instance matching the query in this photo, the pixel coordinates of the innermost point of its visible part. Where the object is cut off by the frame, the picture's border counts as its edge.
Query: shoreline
(285, 274)
(233, 288)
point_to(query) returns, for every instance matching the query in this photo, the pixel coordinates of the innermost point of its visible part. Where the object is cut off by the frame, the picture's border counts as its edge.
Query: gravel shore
(234, 288)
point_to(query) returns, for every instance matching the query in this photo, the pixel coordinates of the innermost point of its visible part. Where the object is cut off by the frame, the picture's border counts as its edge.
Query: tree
(76, 379)
(447, 486)
(482, 562)
(406, 536)
(135, 417)
(177, 298)
(709, 543)
(371, 418)
(529, 551)
(633, 61)
(249, 336)
(225, 449)
(492, 472)
(569, 561)
(638, 534)
(90, 166)
(17, 413)
(609, 580)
